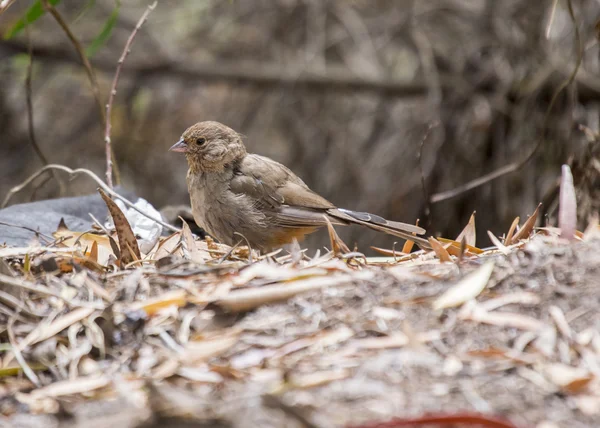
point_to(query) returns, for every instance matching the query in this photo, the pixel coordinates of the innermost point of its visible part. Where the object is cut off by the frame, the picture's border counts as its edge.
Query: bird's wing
(274, 187)
(292, 204)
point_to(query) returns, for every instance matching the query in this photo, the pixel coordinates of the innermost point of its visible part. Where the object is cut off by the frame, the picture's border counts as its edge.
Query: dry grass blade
(439, 250)
(466, 289)
(527, 228)
(567, 205)
(469, 232)
(128, 245)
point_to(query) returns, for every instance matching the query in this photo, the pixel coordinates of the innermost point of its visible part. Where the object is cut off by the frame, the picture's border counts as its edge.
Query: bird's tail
(375, 222)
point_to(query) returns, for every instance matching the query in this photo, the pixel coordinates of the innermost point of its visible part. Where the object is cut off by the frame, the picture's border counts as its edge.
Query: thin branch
(82, 56)
(28, 92)
(431, 126)
(5, 4)
(88, 68)
(94, 177)
(512, 167)
(265, 75)
(113, 92)
(29, 102)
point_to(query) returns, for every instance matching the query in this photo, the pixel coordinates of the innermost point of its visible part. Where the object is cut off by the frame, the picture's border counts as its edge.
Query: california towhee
(233, 191)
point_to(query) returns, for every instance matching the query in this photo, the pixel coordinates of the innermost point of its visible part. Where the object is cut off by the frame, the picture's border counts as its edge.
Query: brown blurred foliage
(340, 91)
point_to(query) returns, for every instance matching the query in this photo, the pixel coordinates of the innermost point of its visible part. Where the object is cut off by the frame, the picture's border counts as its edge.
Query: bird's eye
(200, 141)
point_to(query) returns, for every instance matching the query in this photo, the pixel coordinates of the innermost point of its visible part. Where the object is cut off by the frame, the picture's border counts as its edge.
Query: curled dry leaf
(466, 289)
(527, 228)
(128, 245)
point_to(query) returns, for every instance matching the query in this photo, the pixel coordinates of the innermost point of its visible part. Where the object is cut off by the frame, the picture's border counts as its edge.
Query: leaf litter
(197, 330)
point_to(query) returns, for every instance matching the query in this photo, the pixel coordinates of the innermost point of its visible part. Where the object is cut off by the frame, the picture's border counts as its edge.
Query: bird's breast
(220, 212)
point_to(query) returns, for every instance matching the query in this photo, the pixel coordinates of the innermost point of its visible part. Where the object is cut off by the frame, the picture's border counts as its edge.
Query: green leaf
(33, 14)
(105, 34)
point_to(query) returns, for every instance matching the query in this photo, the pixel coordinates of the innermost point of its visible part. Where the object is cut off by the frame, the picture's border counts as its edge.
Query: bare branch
(449, 194)
(5, 4)
(113, 92)
(82, 56)
(94, 177)
(86, 64)
(29, 102)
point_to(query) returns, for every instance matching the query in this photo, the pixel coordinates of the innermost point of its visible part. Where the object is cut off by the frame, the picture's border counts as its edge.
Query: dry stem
(515, 166)
(113, 92)
(97, 179)
(86, 64)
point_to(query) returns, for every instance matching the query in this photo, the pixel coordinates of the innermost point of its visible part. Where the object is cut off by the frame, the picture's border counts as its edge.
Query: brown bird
(234, 191)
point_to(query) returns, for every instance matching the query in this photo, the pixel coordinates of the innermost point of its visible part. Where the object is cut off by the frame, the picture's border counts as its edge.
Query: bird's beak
(179, 146)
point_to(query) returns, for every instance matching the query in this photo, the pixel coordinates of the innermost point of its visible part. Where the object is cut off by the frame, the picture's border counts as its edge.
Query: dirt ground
(369, 347)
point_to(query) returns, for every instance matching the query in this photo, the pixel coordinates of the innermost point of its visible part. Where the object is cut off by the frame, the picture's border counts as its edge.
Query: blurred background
(377, 104)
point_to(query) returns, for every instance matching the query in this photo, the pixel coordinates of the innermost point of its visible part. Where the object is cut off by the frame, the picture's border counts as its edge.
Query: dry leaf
(527, 228)
(90, 242)
(310, 380)
(511, 231)
(439, 250)
(466, 289)
(469, 232)
(337, 245)
(454, 248)
(569, 379)
(499, 245)
(246, 299)
(128, 245)
(501, 319)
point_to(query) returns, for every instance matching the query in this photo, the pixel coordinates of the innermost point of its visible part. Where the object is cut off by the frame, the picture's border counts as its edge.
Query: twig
(113, 92)
(551, 20)
(5, 4)
(29, 101)
(94, 177)
(18, 356)
(449, 194)
(30, 229)
(86, 64)
(431, 126)
(81, 52)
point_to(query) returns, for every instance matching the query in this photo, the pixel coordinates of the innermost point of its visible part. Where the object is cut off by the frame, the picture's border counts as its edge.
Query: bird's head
(210, 146)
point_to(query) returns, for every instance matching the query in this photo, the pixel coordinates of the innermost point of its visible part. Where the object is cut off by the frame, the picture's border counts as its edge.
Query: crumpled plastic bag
(147, 231)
